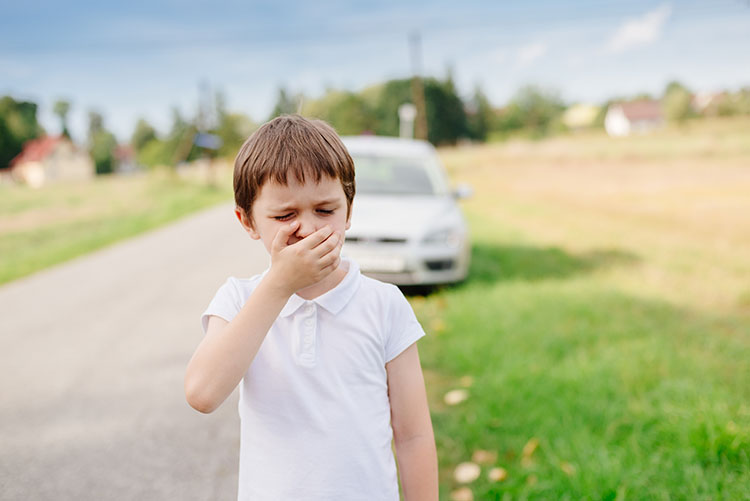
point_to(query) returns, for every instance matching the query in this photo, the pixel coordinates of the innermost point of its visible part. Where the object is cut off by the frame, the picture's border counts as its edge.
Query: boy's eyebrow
(327, 201)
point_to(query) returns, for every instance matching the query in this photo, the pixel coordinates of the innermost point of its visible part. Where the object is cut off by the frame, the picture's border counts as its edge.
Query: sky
(141, 59)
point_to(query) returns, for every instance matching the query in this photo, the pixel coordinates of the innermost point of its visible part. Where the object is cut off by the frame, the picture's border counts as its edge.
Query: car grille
(439, 264)
(375, 240)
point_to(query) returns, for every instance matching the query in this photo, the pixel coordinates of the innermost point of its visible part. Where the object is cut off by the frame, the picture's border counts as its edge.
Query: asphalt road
(92, 358)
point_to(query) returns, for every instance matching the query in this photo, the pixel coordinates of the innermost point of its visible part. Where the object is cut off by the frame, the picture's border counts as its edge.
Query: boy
(326, 358)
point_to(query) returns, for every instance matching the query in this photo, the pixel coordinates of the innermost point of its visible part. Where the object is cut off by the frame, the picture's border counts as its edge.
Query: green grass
(646, 400)
(40, 228)
(619, 343)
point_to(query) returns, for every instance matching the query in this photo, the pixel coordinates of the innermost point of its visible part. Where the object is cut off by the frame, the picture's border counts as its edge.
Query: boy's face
(313, 205)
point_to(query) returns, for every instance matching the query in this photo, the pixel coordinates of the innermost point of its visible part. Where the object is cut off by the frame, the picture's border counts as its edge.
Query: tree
(446, 117)
(142, 135)
(18, 124)
(385, 101)
(677, 102)
(102, 144)
(61, 108)
(480, 115)
(533, 109)
(233, 129)
(347, 112)
(286, 104)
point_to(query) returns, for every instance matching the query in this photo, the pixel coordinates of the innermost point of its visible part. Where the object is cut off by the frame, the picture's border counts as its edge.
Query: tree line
(531, 111)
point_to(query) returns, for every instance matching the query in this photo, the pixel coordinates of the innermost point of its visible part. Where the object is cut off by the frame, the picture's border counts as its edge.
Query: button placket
(307, 351)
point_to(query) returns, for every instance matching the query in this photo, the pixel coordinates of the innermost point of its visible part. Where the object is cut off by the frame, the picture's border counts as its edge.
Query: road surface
(92, 358)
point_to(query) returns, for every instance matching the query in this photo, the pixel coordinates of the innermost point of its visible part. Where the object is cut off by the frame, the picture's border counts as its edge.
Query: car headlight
(446, 237)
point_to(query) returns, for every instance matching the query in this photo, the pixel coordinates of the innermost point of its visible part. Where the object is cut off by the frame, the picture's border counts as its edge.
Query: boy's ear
(246, 222)
(349, 218)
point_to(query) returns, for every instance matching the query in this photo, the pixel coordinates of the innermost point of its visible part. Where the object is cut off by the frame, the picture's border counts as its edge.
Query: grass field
(43, 227)
(603, 337)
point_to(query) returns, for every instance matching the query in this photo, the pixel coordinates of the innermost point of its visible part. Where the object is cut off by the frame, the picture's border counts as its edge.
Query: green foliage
(286, 104)
(532, 109)
(376, 110)
(737, 103)
(347, 112)
(142, 135)
(446, 117)
(677, 102)
(61, 108)
(18, 124)
(102, 144)
(155, 153)
(387, 98)
(102, 147)
(233, 129)
(480, 116)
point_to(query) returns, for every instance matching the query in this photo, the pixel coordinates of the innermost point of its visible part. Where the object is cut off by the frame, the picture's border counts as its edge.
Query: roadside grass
(40, 228)
(605, 354)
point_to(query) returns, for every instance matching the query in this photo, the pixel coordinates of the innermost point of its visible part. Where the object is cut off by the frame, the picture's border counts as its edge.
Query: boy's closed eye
(289, 215)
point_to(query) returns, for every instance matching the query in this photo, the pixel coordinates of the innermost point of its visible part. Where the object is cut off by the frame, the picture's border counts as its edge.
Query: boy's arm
(228, 348)
(412, 427)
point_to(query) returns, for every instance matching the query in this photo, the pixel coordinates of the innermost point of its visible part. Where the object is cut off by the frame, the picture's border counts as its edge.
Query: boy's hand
(308, 261)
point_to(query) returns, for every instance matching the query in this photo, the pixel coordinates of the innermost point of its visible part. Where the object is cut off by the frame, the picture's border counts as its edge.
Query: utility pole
(417, 90)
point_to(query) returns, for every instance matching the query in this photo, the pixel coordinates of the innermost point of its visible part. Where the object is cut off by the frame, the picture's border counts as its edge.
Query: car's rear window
(396, 176)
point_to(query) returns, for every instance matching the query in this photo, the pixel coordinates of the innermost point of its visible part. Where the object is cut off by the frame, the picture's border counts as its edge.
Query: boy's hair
(291, 145)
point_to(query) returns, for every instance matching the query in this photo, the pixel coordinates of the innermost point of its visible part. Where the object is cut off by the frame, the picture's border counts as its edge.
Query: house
(708, 103)
(49, 159)
(125, 160)
(580, 116)
(623, 119)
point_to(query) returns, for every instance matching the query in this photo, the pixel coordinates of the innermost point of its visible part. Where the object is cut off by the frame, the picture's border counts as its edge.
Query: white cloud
(640, 31)
(531, 52)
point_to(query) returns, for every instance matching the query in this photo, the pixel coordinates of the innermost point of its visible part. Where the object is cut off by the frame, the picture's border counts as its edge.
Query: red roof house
(49, 159)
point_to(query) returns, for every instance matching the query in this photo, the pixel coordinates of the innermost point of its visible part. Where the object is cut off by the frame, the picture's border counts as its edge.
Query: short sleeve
(403, 328)
(226, 303)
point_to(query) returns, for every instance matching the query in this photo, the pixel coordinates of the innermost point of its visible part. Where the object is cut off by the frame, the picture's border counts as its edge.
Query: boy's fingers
(282, 236)
(329, 245)
(332, 262)
(314, 239)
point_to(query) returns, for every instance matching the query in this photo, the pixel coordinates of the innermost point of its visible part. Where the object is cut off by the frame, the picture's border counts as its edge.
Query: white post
(407, 112)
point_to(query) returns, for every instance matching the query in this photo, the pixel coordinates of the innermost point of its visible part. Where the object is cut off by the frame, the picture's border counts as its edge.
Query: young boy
(326, 358)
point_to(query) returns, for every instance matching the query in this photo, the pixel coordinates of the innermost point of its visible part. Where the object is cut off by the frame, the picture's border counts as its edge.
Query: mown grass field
(46, 226)
(603, 336)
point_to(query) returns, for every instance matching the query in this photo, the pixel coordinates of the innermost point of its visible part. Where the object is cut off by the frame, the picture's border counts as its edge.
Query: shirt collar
(335, 299)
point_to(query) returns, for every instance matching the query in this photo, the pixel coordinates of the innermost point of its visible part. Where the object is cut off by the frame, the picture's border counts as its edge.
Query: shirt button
(309, 322)
(309, 308)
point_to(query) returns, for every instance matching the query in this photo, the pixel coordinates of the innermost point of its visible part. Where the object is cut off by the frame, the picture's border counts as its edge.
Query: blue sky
(142, 58)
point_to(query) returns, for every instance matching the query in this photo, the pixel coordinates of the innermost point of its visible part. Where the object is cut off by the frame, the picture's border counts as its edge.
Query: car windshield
(396, 176)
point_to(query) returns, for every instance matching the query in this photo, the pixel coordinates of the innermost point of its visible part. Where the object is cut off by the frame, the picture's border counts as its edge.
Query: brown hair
(291, 145)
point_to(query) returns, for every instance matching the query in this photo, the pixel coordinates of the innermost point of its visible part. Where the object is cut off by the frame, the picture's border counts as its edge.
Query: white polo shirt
(314, 408)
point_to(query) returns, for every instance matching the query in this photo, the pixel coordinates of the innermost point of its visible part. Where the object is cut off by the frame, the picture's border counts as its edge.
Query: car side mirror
(463, 191)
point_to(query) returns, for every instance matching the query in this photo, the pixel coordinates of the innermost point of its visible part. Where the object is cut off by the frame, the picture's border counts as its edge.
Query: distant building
(708, 103)
(623, 119)
(50, 159)
(580, 116)
(125, 161)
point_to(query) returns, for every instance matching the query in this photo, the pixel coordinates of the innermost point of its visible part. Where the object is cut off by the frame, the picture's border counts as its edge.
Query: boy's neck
(328, 283)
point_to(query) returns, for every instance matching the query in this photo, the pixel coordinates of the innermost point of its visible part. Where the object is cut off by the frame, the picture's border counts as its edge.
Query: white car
(407, 228)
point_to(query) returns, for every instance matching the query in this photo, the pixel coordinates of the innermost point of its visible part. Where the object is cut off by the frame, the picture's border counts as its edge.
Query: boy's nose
(306, 227)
